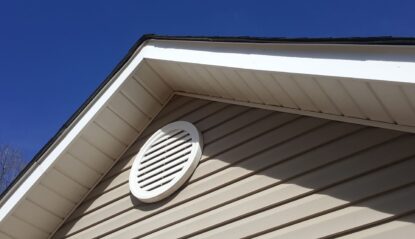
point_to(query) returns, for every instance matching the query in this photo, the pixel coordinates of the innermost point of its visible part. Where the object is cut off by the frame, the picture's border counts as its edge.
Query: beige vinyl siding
(265, 174)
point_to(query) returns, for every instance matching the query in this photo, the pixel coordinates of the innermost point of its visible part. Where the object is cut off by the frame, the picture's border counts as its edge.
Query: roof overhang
(357, 82)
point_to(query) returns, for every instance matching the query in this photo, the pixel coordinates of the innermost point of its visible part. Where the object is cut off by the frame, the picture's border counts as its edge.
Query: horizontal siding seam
(210, 114)
(324, 212)
(167, 111)
(313, 169)
(296, 155)
(370, 225)
(242, 126)
(204, 104)
(231, 182)
(100, 206)
(226, 120)
(265, 149)
(7, 234)
(93, 224)
(114, 176)
(145, 136)
(311, 193)
(244, 177)
(259, 189)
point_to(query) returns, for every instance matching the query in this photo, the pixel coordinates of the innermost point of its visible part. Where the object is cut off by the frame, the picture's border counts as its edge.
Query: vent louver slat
(164, 137)
(166, 161)
(145, 184)
(179, 148)
(167, 150)
(162, 145)
(164, 164)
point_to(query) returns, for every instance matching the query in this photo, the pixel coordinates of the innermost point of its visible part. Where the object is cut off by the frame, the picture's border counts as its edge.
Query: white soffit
(364, 84)
(371, 85)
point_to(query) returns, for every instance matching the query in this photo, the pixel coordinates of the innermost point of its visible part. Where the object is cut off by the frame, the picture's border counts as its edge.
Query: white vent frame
(189, 146)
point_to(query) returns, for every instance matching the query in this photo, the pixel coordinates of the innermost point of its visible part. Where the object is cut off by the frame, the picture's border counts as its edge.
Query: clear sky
(53, 54)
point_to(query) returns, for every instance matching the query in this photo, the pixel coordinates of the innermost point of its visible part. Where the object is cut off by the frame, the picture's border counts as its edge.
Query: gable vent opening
(165, 161)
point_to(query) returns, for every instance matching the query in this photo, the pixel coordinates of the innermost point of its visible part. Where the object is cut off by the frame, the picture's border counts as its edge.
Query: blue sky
(53, 54)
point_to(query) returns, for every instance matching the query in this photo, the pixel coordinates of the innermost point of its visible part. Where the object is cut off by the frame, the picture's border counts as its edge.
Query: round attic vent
(166, 161)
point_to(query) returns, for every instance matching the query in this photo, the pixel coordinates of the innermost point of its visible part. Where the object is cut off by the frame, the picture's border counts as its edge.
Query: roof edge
(374, 40)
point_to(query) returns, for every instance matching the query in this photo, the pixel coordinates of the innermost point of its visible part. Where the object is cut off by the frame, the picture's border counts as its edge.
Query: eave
(339, 79)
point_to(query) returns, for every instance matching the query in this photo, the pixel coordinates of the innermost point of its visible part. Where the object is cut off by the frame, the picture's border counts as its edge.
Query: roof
(370, 72)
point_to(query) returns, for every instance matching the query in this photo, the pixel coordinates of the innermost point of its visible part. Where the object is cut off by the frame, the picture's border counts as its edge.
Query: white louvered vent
(166, 161)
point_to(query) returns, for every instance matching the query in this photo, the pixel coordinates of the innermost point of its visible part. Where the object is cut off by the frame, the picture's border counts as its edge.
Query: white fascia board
(72, 133)
(379, 63)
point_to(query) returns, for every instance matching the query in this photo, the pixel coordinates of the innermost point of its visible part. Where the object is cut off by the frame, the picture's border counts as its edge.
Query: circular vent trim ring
(166, 161)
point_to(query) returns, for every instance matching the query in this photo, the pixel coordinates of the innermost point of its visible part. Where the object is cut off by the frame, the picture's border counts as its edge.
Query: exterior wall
(265, 174)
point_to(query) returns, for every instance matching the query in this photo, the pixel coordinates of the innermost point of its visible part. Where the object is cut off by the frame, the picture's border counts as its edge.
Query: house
(267, 138)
